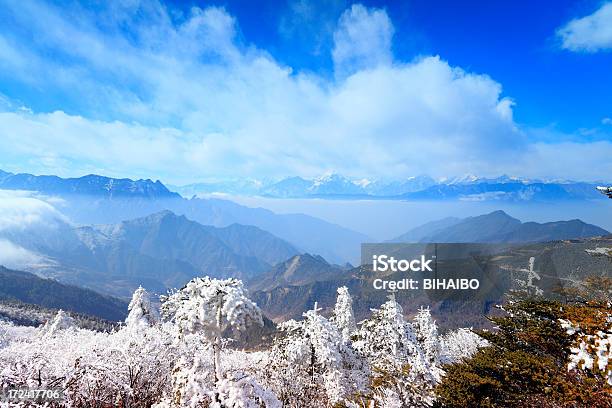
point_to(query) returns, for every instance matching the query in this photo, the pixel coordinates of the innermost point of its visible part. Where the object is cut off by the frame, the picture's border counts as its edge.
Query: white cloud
(567, 160)
(16, 257)
(185, 98)
(26, 219)
(606, 121)
(22, 210)
(589, 34)
(399, 119)
(362, 40)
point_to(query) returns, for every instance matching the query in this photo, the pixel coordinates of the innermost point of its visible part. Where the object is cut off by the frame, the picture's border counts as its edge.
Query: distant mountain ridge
(499, 227)
(503, 188)
(506, 191)
(422, 187)
(329, 185)
(87, 185)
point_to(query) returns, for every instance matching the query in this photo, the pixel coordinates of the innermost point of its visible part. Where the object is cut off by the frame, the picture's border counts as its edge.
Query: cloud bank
(145, 91)
(15, 257)
(23, 216)
(589, 34)
(22, 210)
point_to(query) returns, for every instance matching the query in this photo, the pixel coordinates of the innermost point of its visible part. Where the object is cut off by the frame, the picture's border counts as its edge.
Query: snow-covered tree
(61, 321)
(142, 313)
(386, 339)
(92, 368)
(343, 316)
(209, 306)
(241, 390)
(312, 360)
(460, 344)
(389, 344)
(426, 332)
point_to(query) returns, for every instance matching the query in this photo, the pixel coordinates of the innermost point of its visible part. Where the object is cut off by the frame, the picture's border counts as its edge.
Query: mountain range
(422, 187)
(90, 185)
(164, 250)
(125, 233)
(504, 188)
(101, 200)
(159, 251)
(498, 227)
(329, 185)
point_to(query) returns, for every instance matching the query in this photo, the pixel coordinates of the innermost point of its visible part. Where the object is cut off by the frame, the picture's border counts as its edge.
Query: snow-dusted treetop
(426, 332)
(210, 306)
(386, 336)
(61, 321)
(343, 316)
(142, 312)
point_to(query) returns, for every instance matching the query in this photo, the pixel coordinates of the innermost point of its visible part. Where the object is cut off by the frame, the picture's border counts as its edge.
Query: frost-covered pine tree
(343, 316)
(142, 313)
(386, 339)
(312, 364)
(61, 321)
(426, 332)
(208, 307)
(389, 344)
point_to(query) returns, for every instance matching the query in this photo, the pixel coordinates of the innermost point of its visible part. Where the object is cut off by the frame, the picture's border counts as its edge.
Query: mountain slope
(552, 231)
(29, 288)
(298, 270)
(427, 229)
(499, 227)
(482, 228)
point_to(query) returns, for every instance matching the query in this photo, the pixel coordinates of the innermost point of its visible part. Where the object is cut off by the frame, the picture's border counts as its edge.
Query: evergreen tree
(61, 321)
(426, 332)
(207, 307)
(343, 316)
(314, 359)
(398, 363)
(386, 339)
(537, 357)
(141, 310)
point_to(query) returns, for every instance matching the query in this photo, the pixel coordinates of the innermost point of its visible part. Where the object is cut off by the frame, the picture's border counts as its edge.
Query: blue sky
(192, 91)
